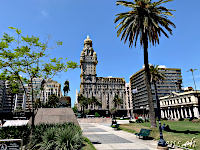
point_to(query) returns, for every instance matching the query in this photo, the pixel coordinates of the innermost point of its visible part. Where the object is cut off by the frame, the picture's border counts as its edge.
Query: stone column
(171, 113)
(182, 112)
(190, 113)
(175, 113)
(178, 113)
(162, 113)
(168, 114)
(196, 111)
(185, 109)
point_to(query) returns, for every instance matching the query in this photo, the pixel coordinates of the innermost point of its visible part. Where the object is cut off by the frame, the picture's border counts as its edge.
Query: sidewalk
(104, 137)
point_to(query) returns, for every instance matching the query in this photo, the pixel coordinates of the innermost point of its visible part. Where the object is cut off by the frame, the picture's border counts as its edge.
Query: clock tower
(88, 62)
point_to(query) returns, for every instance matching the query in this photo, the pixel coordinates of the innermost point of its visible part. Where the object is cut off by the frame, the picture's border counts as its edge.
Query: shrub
(192, 118)
(139, 120)
(58, 136)
(97, 114)
(181, 119)
(165, 118)
(131, 121)
(15, 132)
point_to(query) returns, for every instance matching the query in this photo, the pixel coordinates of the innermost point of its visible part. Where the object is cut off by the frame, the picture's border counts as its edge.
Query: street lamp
(161, 141)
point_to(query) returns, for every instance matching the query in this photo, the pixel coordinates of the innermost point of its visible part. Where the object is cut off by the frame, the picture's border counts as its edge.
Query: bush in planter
(15, 132)
(59, 136)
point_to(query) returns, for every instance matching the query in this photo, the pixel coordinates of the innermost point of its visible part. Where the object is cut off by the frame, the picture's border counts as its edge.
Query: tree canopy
(27, 57)
(146, 20)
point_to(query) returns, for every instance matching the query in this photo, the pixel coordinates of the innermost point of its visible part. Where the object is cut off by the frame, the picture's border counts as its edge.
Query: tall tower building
(103, 89)
(88, 62)
(171, 83)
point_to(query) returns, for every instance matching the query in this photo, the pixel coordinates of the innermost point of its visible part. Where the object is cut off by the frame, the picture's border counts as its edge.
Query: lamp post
(161, 141)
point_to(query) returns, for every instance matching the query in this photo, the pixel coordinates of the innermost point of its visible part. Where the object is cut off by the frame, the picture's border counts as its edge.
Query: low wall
(94, 120)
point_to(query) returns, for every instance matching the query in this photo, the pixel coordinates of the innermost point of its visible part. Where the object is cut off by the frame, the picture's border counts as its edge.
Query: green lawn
(181, 130)
(88, 145)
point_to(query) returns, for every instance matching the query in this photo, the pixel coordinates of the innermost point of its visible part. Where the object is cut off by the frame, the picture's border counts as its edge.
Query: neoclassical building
(103, 88)
(180, 105)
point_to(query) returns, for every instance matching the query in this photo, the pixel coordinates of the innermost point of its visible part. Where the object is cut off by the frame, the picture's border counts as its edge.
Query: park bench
(144, 133)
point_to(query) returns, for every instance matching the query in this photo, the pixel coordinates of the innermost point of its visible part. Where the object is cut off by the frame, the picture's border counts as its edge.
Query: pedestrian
(163, 127)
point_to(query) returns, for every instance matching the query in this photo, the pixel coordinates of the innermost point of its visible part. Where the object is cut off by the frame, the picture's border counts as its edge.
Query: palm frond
(145, 17)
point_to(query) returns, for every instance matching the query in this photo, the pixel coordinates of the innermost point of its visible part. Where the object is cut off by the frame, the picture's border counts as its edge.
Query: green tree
(66, 88)
(53, 100)
(75, 109)
(26, 57)
(145, 19)
(83, 101)
(156, 76)
(117, 101)
(95, 102)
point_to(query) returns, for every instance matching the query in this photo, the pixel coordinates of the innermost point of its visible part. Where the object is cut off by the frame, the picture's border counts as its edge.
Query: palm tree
(192, 70)
(95, 102)
(117, 101)
(66, 88)
(145, 19)
(83, 101)
(156, 76)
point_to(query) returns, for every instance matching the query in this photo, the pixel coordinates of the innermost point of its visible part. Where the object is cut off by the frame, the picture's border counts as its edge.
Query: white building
(180, 105)
(50, 87)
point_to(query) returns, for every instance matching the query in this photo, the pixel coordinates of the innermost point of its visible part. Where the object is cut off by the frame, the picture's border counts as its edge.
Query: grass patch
(181, 131)
(87, 145)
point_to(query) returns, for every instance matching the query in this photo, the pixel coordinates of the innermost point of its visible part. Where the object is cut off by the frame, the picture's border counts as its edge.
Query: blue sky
(72, 20)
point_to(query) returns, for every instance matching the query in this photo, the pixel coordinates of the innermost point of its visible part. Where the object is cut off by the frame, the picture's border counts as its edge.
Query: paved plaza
(104, 137)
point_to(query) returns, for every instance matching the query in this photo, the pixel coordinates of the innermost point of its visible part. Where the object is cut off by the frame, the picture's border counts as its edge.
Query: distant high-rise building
(171, 83)
(23, 100)
(103, 89)
(50, 87)
(8, 100)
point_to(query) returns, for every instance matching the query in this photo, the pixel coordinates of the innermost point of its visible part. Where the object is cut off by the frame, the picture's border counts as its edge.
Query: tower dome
(88, 41)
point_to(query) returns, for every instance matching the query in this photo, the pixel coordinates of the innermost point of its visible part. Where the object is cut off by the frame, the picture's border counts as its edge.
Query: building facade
(50, 87)
(103, 89)
(180, 105)
(171, 83)
(9, 102)
(129, 105)
(22, 100)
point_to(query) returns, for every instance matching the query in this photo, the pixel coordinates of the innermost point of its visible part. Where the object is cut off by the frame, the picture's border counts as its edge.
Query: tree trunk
(33, 112)
(147, 81)
(157, 102)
